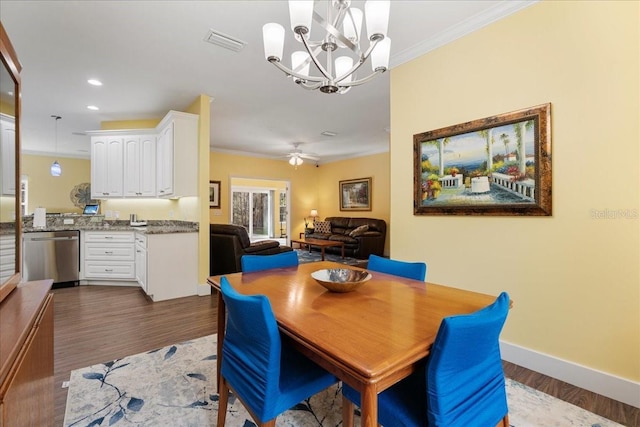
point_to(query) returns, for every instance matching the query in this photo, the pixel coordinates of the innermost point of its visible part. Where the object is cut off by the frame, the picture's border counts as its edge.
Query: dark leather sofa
(359, 244)
(227, 244)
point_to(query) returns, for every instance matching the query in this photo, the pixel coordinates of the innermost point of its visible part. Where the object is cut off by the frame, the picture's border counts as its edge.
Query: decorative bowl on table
(341, 279)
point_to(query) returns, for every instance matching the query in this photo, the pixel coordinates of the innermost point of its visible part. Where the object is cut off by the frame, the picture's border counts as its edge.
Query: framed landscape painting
(355, 194)
(499, 165)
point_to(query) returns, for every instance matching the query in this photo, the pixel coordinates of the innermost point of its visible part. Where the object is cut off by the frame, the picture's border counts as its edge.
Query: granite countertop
(98, 223)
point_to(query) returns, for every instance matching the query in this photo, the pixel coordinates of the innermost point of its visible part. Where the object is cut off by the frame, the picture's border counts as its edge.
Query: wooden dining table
(370, 338)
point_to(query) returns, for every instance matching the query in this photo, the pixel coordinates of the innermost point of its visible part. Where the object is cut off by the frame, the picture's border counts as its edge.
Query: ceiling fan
(296, 156)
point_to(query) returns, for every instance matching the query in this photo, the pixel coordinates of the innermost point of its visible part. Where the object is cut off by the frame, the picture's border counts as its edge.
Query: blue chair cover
(251, 263)
(410, 270)
(267, 375)
(462, 384)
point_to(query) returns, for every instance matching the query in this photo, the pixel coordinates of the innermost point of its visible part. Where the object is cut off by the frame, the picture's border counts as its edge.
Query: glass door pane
(261, 215)
(240, 209)
(252, 209)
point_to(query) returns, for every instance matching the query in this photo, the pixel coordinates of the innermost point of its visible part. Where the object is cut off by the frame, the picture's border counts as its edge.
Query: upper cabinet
(107, 154)
(177, 162)
(8, 154)
(140, 166)
(160, 162)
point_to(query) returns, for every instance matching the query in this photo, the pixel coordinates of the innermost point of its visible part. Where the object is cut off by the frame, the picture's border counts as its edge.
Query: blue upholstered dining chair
(263, 371)
(410, 270)
(251, 263)
(462, 383)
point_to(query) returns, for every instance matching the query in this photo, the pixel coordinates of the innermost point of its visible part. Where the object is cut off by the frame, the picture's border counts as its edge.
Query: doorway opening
(262, 207)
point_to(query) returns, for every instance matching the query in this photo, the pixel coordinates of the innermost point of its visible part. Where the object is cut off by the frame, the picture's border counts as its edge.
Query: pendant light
(56, 169)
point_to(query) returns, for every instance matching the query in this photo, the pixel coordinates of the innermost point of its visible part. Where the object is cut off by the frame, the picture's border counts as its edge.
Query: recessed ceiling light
(94, 82)
(92, 107)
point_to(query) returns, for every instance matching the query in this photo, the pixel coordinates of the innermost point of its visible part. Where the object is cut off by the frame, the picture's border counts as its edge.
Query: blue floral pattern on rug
(175, 386)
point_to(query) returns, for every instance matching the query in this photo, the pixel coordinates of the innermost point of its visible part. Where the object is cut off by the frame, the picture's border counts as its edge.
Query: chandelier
(343, 53)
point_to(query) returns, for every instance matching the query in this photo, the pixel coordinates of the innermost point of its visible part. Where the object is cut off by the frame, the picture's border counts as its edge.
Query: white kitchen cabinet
(164, 164)
(141, 261)
(177, 155)
(159, 162)
(8, 155)
(108, 255)
(171, 265)
(7, 256)
(107, 154)
(140, 166)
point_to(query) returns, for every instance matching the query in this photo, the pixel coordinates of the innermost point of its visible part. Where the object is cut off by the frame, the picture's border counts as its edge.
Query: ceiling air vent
(224, 40)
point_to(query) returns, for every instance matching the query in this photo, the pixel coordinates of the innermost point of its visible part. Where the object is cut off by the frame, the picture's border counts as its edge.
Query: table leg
(322, 252)
(342, 251)
(222, 318)
(369, 408)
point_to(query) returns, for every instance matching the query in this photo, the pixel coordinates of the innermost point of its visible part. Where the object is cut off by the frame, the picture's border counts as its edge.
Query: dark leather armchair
(227, 244)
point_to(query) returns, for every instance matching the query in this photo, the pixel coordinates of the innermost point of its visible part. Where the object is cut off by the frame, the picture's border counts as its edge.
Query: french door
(253, 208)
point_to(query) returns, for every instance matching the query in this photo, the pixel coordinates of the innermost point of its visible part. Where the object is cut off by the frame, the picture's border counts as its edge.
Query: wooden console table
(322, 244)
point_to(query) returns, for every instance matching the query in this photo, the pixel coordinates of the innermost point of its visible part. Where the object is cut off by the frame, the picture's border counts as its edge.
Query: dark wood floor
(96, 324)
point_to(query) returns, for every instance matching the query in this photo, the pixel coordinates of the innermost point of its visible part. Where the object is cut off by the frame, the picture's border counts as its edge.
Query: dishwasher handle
(44, 239)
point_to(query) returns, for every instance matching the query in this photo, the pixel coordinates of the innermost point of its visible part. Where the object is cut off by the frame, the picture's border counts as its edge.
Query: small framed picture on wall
(214, 194)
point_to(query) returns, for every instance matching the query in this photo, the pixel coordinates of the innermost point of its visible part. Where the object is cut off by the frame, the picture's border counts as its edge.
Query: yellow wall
(202, 107)
(574, 279)
(375, 166)
(129, 124)
(224, 166)
(53, 192)
(311, 187)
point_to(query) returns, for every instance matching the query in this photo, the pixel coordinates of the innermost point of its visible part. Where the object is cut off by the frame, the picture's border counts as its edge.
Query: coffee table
(322, 244)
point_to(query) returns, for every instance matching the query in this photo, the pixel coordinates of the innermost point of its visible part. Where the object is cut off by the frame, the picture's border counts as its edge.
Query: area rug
(174, 386)
(305, 256)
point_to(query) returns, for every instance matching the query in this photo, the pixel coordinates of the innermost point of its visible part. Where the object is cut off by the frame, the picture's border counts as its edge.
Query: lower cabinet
(167, 264)
(164, 265)
(108, 255)
(7, 256)
(26, 387)
(141, 261)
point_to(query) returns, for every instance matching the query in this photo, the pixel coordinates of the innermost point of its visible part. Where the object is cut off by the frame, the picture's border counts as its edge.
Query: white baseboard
(611, 386)
(204, 289)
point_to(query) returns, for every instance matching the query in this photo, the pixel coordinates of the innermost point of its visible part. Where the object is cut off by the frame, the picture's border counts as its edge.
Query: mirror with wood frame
(10, 215)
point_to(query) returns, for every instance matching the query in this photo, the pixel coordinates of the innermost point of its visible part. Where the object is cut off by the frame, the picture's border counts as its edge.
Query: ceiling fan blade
(309, 157)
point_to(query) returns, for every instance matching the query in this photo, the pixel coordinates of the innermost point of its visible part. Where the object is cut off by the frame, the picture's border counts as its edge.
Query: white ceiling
(151, 58)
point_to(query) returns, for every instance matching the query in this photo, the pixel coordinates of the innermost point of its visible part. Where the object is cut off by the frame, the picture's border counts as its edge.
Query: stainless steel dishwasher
(52, 255)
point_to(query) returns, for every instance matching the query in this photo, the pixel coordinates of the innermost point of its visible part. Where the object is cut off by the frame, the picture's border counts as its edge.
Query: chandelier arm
(308, 60)
(364, 79)
(315, 61)
(359, 63)
(290, 72)
(335, 32)
(308, 86)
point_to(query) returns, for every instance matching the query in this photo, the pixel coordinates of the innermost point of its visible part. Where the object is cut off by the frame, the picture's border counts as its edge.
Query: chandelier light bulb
(380, 55)
(377, 16)
(273, 38)
(298, 58)
(301, 14)
(343, 65)
(352, 27)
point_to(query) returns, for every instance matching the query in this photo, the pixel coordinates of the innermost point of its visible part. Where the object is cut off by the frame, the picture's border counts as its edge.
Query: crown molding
(457, 31)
